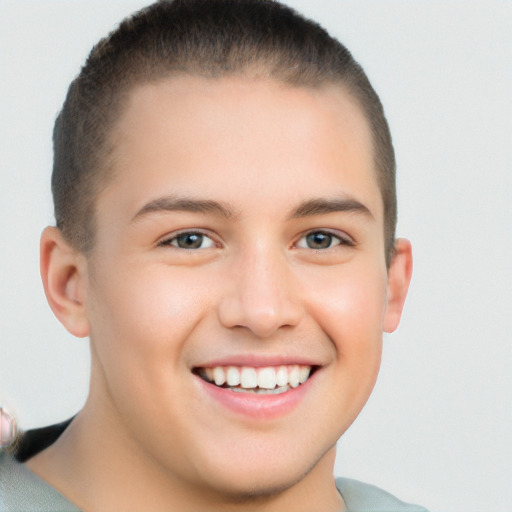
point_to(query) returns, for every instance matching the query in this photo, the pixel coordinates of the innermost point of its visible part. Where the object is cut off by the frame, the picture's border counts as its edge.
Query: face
(237, 292)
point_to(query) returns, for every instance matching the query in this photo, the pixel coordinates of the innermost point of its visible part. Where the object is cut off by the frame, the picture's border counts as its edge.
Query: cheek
(350, 304)
(349, 307)
(142, 324)
(145, 317)
(353, 319)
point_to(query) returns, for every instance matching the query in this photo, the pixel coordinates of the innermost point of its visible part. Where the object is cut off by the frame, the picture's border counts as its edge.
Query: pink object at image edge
(7, 428)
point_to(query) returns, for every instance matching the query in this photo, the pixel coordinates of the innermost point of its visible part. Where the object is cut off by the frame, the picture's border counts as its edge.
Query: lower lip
(258, 406)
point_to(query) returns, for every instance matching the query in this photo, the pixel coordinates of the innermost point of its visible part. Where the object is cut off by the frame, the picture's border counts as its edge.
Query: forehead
(230, 136)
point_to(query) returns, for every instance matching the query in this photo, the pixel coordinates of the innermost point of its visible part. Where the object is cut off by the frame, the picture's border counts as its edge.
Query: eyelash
(343, 240)
(174, 238)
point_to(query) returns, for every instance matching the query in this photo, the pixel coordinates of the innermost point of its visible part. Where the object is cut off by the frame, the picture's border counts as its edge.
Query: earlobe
(64, 280)
(399, 277)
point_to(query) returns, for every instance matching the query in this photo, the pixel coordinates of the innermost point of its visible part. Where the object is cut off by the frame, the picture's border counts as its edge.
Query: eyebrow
(323, 206)
(309, 208)
(172, 204)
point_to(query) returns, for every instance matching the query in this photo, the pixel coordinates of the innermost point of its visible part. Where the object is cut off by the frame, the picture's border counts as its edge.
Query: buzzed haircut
(204, 38)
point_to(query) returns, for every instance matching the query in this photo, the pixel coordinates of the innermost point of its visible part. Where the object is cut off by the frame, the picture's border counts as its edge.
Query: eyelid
(166, 240)
(344, 238)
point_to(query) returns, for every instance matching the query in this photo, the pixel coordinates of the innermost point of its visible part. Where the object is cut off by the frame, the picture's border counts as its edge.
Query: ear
(399, 277)
(63, 271)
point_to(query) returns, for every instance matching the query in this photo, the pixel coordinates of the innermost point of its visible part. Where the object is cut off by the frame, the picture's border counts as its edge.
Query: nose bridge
(264, 295)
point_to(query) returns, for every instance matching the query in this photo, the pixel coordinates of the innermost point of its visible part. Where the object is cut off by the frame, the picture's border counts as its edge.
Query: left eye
(190, 240)
(320, 240)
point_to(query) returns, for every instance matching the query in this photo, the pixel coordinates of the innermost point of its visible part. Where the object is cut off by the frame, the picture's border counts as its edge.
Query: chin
(248, 481)
(249, 488)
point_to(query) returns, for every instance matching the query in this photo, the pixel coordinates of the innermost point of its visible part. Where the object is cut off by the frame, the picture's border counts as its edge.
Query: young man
(225, 204)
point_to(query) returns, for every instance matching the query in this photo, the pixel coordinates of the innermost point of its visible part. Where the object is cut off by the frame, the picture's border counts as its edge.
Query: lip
(253, 405)
(258, 361)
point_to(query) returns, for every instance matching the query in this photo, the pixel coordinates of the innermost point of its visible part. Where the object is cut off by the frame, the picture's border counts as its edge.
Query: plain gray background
(438, 428)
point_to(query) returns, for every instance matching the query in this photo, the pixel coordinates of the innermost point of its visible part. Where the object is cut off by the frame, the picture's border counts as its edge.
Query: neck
(111, 471)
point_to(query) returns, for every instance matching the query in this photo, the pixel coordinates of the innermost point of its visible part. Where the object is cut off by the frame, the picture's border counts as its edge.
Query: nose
(262, 296)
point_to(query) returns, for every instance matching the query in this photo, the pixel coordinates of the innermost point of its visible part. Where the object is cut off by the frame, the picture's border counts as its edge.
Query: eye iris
(319, 240)
(189, 240)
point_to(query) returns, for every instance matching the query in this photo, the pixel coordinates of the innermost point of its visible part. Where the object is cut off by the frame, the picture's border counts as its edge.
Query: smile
(260, 380)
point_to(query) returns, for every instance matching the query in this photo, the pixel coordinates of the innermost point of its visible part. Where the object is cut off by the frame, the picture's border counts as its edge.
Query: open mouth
(260, 380)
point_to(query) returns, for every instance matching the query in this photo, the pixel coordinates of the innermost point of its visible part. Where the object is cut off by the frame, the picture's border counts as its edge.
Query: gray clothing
(23, 491)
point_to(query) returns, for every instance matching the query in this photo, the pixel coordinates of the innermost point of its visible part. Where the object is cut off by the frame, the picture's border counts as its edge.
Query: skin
(149, 437)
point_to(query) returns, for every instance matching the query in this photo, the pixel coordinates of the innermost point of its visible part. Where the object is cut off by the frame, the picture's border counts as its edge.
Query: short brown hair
(208, 38)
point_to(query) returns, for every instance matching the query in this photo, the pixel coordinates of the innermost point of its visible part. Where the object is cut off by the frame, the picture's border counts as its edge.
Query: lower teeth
(260, 391)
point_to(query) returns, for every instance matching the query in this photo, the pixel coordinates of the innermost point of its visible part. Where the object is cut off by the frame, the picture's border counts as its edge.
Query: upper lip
(258, 361)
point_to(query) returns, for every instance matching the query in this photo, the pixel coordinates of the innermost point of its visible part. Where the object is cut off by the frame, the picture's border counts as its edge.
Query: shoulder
(361, 497)
(22, 490)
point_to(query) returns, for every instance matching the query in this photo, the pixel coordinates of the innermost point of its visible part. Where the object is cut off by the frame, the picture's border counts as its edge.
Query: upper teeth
(267, 377)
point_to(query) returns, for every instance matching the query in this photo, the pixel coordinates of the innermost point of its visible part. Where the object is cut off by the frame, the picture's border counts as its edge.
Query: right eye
(190, 240)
